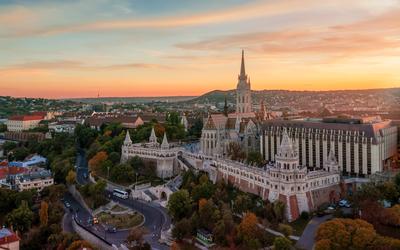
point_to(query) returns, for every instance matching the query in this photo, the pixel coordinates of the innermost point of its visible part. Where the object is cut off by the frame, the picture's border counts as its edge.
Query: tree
(85, 135)
(122, 173)
(179, 204)
(248, 230)
(96, 161)
(235, 152)
(279, 210)
(182, 229)
(71, 177)
(282, 243)
(389, 191)
(135, 238)
(254, 158)
(287, 230)
(196, 128)
(242, 203)
(80, 244)
(20, 153)
(43, 213)
(20, 218)
(346, 234)
(8, 146)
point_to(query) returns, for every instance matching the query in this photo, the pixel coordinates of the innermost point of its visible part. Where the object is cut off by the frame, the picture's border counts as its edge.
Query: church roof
(165, 144)
(128, 137)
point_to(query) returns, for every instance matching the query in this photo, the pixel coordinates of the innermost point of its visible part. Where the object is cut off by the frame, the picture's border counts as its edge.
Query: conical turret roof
(127, 137)
(165, 144)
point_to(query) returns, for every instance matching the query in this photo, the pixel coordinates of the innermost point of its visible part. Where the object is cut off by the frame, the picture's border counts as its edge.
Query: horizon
(55, 50)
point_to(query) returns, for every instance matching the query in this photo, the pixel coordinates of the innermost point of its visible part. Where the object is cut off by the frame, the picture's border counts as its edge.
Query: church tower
(243, 91)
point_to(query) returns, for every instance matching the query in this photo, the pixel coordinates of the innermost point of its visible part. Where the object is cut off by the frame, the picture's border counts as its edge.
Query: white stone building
(287, 181)
(163, 155)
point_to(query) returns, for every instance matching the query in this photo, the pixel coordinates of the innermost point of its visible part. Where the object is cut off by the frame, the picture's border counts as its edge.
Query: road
(156, 217)
(307, 239)
(82, 169)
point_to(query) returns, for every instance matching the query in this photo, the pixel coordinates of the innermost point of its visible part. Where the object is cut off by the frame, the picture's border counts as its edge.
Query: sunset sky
(60, 49)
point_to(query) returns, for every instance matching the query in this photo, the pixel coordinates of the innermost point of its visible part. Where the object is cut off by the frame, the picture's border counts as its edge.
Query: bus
(120, 193)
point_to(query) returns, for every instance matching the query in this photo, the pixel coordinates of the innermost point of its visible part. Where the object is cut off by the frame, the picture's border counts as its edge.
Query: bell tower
(243, 91)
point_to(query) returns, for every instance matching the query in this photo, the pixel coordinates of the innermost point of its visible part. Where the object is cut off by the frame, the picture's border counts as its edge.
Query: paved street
(81, 167)
(306, 240)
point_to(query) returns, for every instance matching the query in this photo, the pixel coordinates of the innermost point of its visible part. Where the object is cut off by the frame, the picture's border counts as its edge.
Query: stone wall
(325, 195)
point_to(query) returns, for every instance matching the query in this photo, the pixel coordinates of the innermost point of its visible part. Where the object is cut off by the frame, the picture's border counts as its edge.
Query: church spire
(127, 138)
(153, 137)
(165, 144)
(242, 75)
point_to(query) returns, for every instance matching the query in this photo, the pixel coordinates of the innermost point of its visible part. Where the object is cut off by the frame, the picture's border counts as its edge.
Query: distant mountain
(214, 96)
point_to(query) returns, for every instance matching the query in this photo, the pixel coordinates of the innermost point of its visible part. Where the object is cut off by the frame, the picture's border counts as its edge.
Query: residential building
(8, 239)
(63, 126)
(37, 179)
(24, 136)
(363, 146)
(23, 122)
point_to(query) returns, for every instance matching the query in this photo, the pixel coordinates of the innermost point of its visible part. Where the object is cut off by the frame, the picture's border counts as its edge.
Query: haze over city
(64, 49)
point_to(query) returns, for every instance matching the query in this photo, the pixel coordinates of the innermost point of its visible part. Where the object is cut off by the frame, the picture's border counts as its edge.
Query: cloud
(378, 33)
(77, 65)
(242, 12)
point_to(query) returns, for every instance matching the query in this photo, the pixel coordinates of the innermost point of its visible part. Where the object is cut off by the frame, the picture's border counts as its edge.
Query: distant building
(63, 126)
(8, 239)
(35, 160)
(24, 136)
(362, 146)
(286, 180)
(23, 122)
(37, 179)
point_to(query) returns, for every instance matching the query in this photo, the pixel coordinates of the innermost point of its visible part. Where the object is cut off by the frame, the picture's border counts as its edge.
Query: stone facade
(299, 188)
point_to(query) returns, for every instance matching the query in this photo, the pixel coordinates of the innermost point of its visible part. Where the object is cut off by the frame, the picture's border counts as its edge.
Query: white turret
(153, 137)
(331, 164)
(287, 157)
(165, 144)
(127, 141)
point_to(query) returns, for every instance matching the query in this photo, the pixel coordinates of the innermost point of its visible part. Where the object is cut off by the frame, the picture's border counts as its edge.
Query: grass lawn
(120, 221)
(299, 225)
(118, 208)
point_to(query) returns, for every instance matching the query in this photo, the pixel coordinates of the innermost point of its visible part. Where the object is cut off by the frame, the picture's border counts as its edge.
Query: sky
(85, 48)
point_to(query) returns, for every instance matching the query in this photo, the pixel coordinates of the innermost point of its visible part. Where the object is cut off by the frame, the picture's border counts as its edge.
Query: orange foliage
(97, 160)
(202, 203)
(159, 130)
(248, 227)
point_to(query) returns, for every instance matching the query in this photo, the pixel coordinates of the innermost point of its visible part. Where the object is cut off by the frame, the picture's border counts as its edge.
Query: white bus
(120, 193)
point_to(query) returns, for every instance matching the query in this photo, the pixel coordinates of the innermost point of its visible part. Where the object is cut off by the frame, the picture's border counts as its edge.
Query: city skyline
(53, 49)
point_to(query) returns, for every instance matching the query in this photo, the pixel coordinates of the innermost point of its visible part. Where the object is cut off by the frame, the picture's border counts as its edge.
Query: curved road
(156, 217)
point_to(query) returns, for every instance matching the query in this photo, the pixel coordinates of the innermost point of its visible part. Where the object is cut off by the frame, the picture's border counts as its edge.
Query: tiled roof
(7, 236)
(25, 118)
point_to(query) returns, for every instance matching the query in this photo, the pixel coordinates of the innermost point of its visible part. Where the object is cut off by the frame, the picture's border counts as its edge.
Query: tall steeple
(242, 75)
(165, 144)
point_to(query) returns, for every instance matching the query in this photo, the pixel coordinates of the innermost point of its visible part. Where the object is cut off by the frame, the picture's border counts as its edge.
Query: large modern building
(286, 180)
(363, 146)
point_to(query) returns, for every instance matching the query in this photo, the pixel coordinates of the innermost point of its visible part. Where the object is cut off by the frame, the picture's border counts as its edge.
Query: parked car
(111, 229)
(344, 203)
(67, 205)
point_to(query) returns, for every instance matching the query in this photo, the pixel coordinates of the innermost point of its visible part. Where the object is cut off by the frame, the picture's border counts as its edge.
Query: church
(241, 127)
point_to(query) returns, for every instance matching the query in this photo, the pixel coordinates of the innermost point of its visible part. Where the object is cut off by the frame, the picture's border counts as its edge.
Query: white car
(344, 203)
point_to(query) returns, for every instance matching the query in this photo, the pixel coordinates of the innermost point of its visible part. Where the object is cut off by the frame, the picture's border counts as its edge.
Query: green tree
(20, 153)
(182, 229)
(254, 158)
(282, 243)
(235, 151)
(179, 204)
(85, 135)
(20, 218)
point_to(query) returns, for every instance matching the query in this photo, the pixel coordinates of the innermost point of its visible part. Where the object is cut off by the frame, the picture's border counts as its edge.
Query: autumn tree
(96, 161)
(249, 231)
(182, 229)
(287, 230)
(135, 238)
(349, 234)
(20, 218)
(80, 244)
(43, 213)
(71, 177)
